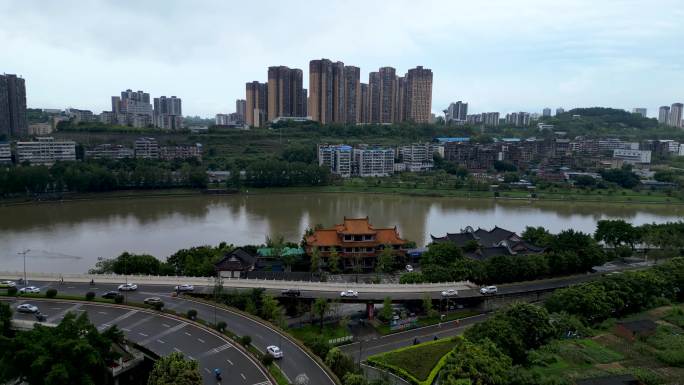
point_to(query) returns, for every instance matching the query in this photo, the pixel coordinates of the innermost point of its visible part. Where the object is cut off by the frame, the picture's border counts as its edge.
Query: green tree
(616, 233)
(73, 352)
(441, 254)
(481, 363)
(339, 362)
(315, 260)
(385, 260)
(427, 306)
(354, 379)
(5, 319)
(387, 311)
(320, 308)
(334, 261)
(538, 236)
(175, 370)
(270, 308)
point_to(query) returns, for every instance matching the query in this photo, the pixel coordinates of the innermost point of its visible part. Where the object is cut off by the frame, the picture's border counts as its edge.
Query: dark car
(40, 317)
(291, 293)
(110, 294)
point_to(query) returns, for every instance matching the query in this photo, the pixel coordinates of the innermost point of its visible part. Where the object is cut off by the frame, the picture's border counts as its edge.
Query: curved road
(295, 360)
(161, 334)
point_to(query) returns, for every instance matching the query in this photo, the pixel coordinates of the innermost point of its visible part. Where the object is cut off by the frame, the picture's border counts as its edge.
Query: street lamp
(24, 254)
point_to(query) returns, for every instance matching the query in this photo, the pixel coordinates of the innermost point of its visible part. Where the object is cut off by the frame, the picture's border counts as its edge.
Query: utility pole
(24, 254)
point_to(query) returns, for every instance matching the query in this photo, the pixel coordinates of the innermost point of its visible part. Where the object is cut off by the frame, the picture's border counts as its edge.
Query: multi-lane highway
(162, 335)
(295, 360)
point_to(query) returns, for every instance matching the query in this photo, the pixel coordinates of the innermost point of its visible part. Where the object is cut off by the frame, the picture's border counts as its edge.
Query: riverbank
(565, 195)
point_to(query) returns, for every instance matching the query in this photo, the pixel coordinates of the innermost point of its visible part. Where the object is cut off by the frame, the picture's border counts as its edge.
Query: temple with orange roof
(355, 240)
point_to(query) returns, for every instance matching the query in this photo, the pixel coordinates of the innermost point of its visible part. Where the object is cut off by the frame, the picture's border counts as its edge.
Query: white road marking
(161, 342)
(243, 376)
(188, 334)
(143, 334)
(178, 350)
(207, 370)
(102, 312)
(166, 326)
(191, 357)
(126, 330)
(117, 320)
(230, 362)
(264, 383)
(200, 340)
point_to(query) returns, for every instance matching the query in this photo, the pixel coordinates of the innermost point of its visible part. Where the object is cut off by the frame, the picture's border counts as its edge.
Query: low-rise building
(633, 156)
(109, 151)
(417, 157)
(78, 116)
(373, 161)
(46, 150)
(337, 157)
(181, 152)
(5, 153)
(146, 148)
(39, 129)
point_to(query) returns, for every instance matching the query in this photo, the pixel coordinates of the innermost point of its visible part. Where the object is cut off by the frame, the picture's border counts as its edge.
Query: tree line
(101, 175)
(498, 350)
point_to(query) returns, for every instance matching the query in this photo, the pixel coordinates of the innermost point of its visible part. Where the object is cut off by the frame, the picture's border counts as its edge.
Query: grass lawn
(308, 332)
(417, 361)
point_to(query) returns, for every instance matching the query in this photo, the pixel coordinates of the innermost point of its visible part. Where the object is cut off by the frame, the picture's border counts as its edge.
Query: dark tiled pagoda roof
(236, 260)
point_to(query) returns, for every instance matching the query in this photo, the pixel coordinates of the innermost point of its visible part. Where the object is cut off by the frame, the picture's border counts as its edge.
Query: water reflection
(161, 226)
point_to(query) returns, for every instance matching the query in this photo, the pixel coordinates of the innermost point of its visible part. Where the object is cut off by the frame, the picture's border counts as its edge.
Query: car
(489, 290)
(349, 293)
(29, 290)
(449, 293)
(274, 351)
(110, 294)
(153, 301)
(291, 293)
(7, 284)
(40, 317)
(27, 308)
(409, 268)
(128, 287)
(184, 287)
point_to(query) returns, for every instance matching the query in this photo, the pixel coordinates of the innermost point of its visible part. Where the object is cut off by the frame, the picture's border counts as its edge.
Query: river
(68, 237)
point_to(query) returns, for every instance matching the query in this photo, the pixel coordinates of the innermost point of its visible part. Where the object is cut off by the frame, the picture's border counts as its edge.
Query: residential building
(130, 102)
(78, 116)
(456, 113)
(518, 119)
(256, 104)
(370, 161)
(374, 97)
(46, 151)
(222, 119)
(365, 104)
(13, 121)
(326, 91)
(235, 264)
(664, 114)
(356, 242)
(241, 110)
(546, 112)
(474, 119)
(639, 110)
(402, 100)
(472, 156)
(633, 156)
(286, 97)
(337, 157)
(181, 152)
(559, 110)
(419, 95)
(40, 129)
(109, 151)
(417, 157)
(675, 119)
(146, 148)
(352, 95)
(490, 119)
(168, 113)
(5, 153)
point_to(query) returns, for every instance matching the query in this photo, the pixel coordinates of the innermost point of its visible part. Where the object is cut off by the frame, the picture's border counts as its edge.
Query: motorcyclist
(92, 282)
(217, 373)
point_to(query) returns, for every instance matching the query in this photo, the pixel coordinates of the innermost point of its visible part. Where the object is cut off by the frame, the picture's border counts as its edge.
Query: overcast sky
(497, 55)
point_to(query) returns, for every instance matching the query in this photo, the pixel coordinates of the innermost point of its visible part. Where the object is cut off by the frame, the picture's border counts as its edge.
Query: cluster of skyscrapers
(336, 95)
(13, 106)
(672, 115)
(133, 108)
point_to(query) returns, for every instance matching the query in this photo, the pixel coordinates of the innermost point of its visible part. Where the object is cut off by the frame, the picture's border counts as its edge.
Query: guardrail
(242, 282)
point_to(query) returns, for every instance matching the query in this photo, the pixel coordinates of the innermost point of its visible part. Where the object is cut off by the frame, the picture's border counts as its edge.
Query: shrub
(119, 299)
(51, 293)
(192, 314)
(221, 326)
(158, 306)
(267, 359)
(12, 291)
(245, 340)
(90, 295)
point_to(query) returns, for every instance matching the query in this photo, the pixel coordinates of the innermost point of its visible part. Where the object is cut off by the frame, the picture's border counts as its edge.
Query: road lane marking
(188, 334)
(143, 334)
(200, 340)
(102, 312)
(230, 362)
(64, 312)
(207, 370)
(165, 332)
(191, 357)
(166, 325)
(161, 342)
(178, 350)
(117, 320)
(264, 383)
(243, 377)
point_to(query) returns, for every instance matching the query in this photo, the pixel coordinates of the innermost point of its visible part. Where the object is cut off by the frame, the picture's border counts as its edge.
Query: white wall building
(373, 161)
(46, 150)
(5, 153)
(417, 157)
(337, 157)
(633, 156)
(146, 148)
(109, 151)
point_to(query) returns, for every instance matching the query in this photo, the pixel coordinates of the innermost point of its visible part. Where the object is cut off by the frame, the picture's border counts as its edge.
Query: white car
(489, 290)
(184, 287)
(128, 287)
(449, 293)
(409, 268)
(274, 351)
(29, 290)
(27, 308)
(349, 293)
(5, 284)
